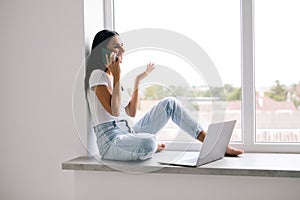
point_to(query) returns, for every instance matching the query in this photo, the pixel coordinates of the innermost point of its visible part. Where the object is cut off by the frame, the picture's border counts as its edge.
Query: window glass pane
(277, 67)
(212, 24)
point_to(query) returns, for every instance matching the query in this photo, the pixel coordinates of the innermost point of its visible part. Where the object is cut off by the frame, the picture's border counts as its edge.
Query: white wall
(41, 49)
(93, 23)
(118, 185)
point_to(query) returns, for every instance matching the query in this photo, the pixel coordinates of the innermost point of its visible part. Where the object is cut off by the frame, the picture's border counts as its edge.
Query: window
(277, 71)
(225, 30)
(215, 28)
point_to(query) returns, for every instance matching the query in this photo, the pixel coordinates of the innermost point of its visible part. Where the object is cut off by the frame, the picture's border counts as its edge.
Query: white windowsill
(249, 164)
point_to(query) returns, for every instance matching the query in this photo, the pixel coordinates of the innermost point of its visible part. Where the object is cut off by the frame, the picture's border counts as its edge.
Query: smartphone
(107, 52)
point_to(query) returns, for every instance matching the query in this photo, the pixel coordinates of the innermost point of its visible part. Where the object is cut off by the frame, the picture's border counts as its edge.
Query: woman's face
(116, 45)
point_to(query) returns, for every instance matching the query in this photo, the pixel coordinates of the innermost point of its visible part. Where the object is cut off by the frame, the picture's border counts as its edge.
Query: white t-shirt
(98, 113)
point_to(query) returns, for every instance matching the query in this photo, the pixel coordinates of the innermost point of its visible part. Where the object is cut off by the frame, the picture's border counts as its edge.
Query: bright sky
(215, 26)
(277, 41)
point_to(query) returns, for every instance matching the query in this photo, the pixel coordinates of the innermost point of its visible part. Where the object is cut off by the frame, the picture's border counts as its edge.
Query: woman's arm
(104, 95)
(131, 108)
(116, 97)
(111, 100)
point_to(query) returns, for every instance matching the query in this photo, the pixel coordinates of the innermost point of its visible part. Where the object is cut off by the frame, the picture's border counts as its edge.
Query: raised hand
(149, 69)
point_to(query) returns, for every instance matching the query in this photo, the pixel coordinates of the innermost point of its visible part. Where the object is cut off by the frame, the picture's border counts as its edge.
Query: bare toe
(160, 147)
(230, 151)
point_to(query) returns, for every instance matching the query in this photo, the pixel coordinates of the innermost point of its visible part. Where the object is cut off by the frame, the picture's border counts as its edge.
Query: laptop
(213, 147)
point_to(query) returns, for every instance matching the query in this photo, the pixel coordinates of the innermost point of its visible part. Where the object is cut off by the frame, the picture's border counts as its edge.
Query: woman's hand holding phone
(113, 64)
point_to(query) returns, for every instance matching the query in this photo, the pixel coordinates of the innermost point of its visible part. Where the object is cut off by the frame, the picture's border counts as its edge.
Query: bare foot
(160, 147)
(230, 151)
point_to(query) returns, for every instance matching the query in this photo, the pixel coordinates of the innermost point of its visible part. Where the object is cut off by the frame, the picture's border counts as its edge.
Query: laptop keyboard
(190, 160)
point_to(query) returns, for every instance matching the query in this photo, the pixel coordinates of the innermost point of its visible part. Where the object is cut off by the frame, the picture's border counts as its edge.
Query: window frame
(248, 85)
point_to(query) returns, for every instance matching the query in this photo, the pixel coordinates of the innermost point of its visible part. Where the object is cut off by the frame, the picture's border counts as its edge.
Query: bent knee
(169, 102)
(170, 99)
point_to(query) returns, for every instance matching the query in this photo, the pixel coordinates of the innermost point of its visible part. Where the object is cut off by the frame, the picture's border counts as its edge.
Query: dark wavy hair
(94, 59)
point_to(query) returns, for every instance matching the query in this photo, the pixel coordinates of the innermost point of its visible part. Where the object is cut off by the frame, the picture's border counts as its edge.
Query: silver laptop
(213, 148)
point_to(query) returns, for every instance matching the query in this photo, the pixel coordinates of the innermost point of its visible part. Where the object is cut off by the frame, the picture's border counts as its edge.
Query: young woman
(109, 106)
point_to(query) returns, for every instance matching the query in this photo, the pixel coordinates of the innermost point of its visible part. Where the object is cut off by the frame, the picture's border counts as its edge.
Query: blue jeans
(116, 140)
